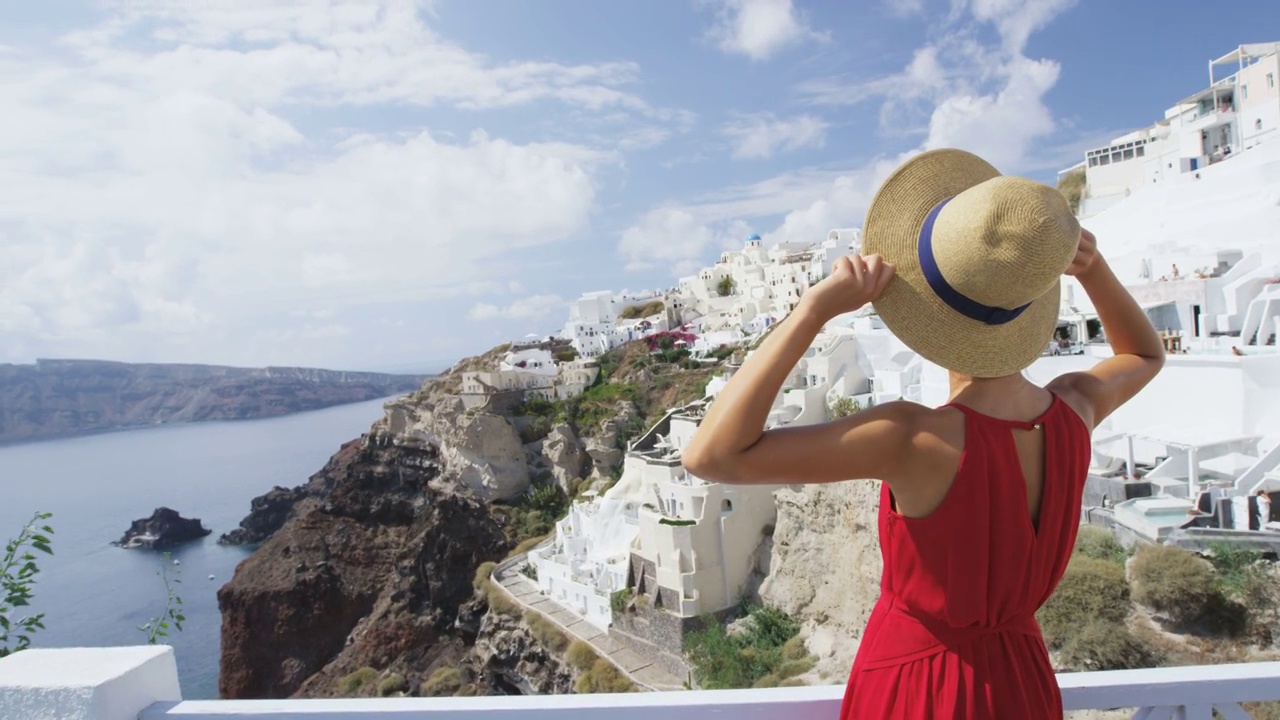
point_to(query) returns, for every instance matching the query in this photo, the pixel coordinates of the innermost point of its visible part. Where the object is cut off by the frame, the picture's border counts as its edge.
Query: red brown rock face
(370, 571)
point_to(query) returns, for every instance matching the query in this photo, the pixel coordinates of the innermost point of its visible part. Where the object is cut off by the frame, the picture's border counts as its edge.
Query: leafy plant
(172, 617)
(725, 286)
(18, 572)
(741, 660)
(844, 406)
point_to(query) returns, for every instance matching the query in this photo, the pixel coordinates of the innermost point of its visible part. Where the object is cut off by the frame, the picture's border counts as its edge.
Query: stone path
(638, 669)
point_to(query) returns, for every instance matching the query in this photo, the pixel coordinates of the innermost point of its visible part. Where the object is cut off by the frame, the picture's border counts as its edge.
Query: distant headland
(64, 398)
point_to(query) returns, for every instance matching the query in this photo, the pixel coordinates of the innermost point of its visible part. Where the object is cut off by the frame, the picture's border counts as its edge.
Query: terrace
(141, 683)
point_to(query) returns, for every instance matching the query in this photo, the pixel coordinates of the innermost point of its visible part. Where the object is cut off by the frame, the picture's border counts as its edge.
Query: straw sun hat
(979, 259)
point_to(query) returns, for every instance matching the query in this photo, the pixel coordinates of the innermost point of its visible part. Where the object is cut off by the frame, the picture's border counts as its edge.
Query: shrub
(1100, 544)
(603, 677)
(394, 683)
(1091, 589)
(581, 655)
(844, 406)
(1174, 582)
(1107, 645)
(740, 661)
(526, 545)
(1237, 569)
(794, 649)
(792, 668)
(545, 632)
(467, 690)
(725, 286)
(499, 602)
(444, 681)
(357, 681)
(481, 579)
(1071, 185)
(18, 572)
(618, 601)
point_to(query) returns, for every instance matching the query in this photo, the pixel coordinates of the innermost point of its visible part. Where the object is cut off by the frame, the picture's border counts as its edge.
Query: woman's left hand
(854, 281)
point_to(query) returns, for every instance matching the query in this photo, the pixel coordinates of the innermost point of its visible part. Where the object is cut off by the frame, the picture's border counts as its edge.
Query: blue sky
(367, 184)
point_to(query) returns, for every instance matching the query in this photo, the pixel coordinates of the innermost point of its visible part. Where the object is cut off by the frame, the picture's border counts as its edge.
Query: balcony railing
(142, 684)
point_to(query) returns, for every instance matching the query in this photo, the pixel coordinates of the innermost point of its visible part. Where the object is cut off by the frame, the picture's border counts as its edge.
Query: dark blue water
(96, 594)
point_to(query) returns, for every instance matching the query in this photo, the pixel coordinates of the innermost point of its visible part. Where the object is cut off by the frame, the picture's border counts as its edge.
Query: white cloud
(177, 180)
(960, 92)
(759, 136)
(1018, 19)
(760, 28)
(686, 237)
(533, 307)
(954, 92)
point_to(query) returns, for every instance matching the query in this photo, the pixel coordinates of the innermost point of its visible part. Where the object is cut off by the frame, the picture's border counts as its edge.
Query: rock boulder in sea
(164, 529)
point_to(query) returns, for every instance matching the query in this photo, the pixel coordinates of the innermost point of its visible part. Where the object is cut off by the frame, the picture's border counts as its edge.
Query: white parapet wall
(87, 683)
(142, 684)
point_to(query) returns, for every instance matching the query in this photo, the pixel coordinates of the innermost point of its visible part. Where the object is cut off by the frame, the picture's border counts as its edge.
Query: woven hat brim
(910, 308)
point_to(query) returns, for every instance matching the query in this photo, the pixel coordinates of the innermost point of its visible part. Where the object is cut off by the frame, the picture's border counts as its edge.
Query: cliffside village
(1194, 459)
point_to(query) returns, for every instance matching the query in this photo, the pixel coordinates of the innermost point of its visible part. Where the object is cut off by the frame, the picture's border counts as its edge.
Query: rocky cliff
(825, 568)
(365, 572)
(364, 576)
(57, 398)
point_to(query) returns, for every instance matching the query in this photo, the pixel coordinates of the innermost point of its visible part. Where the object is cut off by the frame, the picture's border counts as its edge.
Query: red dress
(954, 633)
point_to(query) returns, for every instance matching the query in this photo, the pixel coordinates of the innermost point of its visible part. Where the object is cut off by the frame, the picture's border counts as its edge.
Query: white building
(534, 371)
(1232, 115)
(594, 326)
(762, 284)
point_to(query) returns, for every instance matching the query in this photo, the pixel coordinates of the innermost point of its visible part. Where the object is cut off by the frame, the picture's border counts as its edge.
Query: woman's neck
(1011, 396)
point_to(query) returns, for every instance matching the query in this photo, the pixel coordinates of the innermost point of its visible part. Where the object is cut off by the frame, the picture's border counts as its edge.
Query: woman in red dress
(980, 498)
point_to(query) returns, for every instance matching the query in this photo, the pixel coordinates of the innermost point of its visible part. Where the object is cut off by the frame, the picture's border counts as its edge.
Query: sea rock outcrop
(164, 529)
(825, 567)
(267, 514)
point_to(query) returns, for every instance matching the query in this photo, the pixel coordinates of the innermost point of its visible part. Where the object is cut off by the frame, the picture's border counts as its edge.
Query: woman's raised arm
(732, 446)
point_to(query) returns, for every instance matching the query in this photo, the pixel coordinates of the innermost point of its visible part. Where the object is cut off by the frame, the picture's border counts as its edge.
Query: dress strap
(1033, 424)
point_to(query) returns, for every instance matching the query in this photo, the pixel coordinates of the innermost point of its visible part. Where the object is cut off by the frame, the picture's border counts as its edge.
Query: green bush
(467, 690)
(1091, 589)
(618, 601)
(1100, 544)
(394, 683)
(481, 579)
(1174, 582)
(1071, 184)
(444, 681)
(1107, 645)
(581, 655)
(603, 677)
(794, 649)
(18, 570)
(545, 632)
(721, 661)
(357, 681)
(844, 406)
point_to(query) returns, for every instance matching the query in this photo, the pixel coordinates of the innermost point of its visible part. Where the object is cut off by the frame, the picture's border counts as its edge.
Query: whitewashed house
(1232, 115)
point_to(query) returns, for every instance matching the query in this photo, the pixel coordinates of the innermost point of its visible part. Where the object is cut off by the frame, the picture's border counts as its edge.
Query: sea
(95, 594)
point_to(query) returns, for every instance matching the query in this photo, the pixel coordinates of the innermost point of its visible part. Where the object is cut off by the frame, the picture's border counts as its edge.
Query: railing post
(87, 683)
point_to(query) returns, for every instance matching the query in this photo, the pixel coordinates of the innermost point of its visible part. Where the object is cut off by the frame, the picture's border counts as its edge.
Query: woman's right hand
(1086, 255)
(854, 281)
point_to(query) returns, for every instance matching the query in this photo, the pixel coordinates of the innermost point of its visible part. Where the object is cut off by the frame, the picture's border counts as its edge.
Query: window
(1271, 80)
(1244, 92)
(1141, 151)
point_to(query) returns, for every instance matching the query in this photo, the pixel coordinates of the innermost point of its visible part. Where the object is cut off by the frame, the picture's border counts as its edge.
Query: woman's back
(954, 632)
